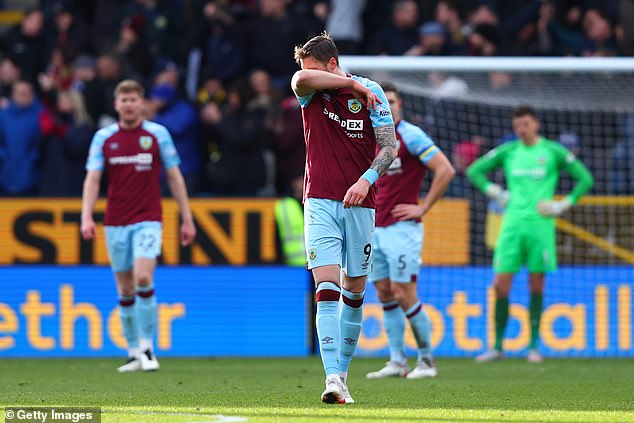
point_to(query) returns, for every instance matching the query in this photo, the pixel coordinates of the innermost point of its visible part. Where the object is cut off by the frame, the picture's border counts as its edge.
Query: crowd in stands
(217, 73)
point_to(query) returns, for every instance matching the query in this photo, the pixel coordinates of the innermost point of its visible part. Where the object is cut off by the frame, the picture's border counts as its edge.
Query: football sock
(327, 323)
(501, 318)
(146, 312)
(535, 314)
(127, 314)
(419, 321)
(394, 324)
(350, 320)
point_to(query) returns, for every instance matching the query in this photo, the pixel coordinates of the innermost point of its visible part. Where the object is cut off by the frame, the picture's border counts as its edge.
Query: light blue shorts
(397, 252)
(335, 235)
(126, 243)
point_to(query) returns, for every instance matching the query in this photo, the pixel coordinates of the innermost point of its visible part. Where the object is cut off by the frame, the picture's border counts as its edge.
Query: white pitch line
(219, 418)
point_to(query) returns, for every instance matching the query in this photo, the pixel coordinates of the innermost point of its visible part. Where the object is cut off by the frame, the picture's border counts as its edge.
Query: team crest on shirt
(354, 105)
(145, 142)
(541, 160)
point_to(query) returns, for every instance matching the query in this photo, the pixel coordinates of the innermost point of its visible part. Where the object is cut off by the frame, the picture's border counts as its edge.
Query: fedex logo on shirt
(349, 124)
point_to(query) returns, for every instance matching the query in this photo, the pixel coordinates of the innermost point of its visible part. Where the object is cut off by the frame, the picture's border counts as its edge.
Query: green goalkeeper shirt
(532, 174)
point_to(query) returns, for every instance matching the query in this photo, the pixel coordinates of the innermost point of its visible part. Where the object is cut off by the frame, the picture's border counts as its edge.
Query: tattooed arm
(386, 139)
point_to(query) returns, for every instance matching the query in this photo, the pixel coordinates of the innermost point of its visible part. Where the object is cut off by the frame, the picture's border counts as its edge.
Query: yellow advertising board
(230, 231)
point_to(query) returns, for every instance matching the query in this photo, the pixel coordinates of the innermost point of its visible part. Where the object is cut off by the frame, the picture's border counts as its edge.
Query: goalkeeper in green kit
(531, 167)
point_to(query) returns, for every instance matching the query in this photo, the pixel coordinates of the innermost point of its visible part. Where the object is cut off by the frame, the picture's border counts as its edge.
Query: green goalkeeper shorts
(529, 242)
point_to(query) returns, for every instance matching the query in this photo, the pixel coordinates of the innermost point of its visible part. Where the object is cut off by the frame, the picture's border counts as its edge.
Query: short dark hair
(522, 111)
(321, 48)
(389, 87)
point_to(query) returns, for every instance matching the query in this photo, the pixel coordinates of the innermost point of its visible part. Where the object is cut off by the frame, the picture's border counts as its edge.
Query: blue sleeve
(95, 153)
(305, 99)
(418, 143)
(381, 115)
(167, 150)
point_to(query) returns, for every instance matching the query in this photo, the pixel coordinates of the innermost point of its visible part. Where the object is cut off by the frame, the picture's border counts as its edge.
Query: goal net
(465, 105)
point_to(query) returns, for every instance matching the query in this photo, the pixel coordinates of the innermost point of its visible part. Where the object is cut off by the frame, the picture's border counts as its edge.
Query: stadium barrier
(213, 311)
(264, 311)
(230, 231)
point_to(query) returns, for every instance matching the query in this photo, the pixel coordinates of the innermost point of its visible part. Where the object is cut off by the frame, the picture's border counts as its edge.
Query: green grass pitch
(288, 390)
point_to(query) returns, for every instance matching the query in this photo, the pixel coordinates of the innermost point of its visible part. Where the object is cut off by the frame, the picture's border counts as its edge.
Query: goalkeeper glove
(501, 196)
(553, 208)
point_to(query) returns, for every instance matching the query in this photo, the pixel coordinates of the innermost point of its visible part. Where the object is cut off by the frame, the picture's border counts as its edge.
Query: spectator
(449, 15)
(402, 32)
(269, 39)
(289, 147)
(26, 44)
(517, 24)
(109, 74)
(432, 41)
(484, 41)
(483, 15)
(163, 28)
(237, 167)
(211, 91)
(9, 74)
(179, 117)
(67, 130)
(598, 37)
(134, 48)
(107, 24)
(216, 41)
(85, 82)
(68, 32)
(344, 24)
(20, 137)
(59, 73)
(266, 98)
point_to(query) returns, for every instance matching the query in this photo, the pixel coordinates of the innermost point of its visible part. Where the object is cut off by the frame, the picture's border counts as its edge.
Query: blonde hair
(80, 115)
(128, 86)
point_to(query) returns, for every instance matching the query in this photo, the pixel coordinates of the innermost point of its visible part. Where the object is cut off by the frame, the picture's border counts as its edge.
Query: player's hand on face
(367, 97)
(188, 233)
(407, 211)
(88, 229)
(356, 193)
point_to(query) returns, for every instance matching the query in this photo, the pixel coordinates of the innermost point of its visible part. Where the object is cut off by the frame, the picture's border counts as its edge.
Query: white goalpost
(587, 104)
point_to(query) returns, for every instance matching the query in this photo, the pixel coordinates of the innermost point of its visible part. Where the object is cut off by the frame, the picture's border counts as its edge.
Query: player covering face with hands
(345, 117)
(131, 151)
(532, 165)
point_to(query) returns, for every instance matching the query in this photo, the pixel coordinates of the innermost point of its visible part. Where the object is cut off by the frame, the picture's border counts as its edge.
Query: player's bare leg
(502, 284)
(127, 314)
(350, 321)
(146, 310)
(407, 297)
(327, 280)
(394, 324)
(536, 288)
